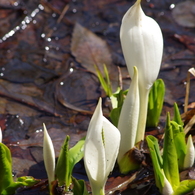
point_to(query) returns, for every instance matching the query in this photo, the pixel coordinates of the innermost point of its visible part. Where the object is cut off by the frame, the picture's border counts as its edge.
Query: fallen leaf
(90, 50)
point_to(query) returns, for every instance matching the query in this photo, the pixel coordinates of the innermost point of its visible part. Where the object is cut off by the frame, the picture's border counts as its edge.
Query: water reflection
(24, 23)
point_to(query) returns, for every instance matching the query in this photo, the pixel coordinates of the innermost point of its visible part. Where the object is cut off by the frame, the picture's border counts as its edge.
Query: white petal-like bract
(190, 154)
(142, 44)
(100, 150)
(49, 156)
(128, 120)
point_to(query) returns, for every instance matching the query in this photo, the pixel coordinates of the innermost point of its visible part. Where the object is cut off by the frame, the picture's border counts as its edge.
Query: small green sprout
(155, 103)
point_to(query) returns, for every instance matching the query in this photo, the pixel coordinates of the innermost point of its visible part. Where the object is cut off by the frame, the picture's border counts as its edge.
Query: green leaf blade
(155, 103)
(6, 178)
(63, 167)
(170, 161)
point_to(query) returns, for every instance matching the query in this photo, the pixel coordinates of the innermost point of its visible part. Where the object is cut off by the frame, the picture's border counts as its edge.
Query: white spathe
(48, 156)
(142, 46)
(190, 154)
(129, 116)
(100, 150)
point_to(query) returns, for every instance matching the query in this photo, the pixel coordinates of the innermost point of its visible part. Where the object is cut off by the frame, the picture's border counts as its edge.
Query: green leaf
(185, 187)
(156, 161)
(105, 82)
(177, 116)
(21, 181)
(155, 103)
(115, 112)
(67, 160)
(114, 116)
(79, 187)
(5, 167)
(63, 166)
(180, 143)
(107, 79)
(27, 181)
(170, 162)
(76, 154)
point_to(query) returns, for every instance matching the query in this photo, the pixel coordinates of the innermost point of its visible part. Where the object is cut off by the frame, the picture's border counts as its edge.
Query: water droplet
(33, 14)
(41, 7)
(71, 69)
(172, 6)
(46, 48)
(17, 28)
(1, 74)
(61, 83)
(16, 3)
(74, 10)
(89, 162)
(49, 39)
(56, 38)
(3, 68)
(11, 33)
(54, 15)
(23, 26)
(27, 19)
(34, 21)
(44, 59)
(21, 121)
(43, 35)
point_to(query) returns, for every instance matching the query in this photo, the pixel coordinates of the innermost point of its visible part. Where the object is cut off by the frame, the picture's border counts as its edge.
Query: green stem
(97, 190)
(144, 93)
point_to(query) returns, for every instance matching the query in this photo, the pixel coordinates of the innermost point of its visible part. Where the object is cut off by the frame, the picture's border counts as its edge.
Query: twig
(187, 92)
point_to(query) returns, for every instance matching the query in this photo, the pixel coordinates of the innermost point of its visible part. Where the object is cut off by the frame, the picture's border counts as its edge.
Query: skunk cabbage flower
(48, 156)
(190, 154)
(127, 124)
(100, 150)
(142, 46)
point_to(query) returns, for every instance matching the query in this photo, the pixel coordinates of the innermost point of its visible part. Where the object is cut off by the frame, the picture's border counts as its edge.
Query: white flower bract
(100, 150)
(49, 156)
